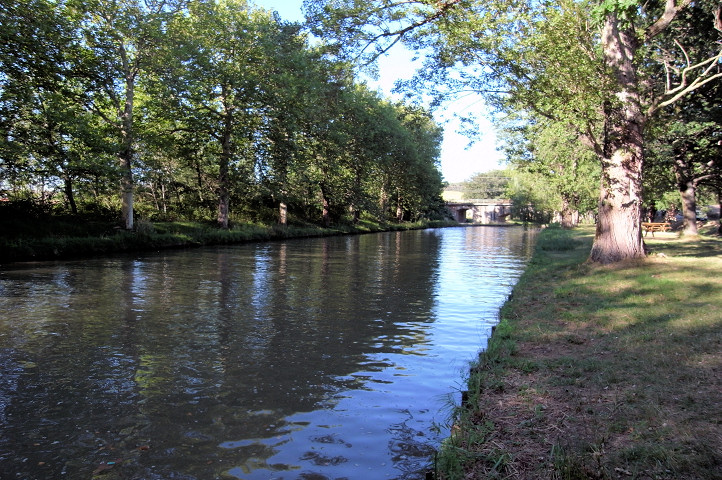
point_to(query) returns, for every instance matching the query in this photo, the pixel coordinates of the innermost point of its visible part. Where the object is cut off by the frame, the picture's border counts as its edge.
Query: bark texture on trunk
(383, 201)
(68, 189)
(282, 213)
(125, 156)
(684, 173)
(619, 231)
(688, 194)
(125, 159)
(399, 209)
(224, 163)
(569, 215)
(719, 210)
(126, 188)
(223, 193)
(325, 207)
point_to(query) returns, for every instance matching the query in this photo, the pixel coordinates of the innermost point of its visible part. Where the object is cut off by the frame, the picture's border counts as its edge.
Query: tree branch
(684, 87)
(444, 8)
(671, 9)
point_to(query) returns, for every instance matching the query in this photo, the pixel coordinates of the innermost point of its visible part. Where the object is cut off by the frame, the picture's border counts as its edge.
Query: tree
(685, 136)
(213, 80)
(33, 38)
(549, 58)
(120, 38)
(327, 135)
(417, 163)
(49, 136)
(692, 152)
(555, 155)
(533, 198)
(290, 93)
(487, 185)
(174, 99)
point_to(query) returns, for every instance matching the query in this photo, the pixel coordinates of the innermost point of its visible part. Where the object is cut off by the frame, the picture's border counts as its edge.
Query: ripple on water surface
(313, 358)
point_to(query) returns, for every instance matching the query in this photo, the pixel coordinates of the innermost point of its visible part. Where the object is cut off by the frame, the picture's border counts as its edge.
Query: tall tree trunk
(399, 209)
(570, 217)
(354, 207)
(281, 156)
(154, 195)
(719, 211)
(125, 156)
(223, 190)
(282, 213)
(126, 189)
(223, 166)
(687, 187)
(199, 179)
(687, 191)
(619, 233)
(383, 201)
(325, 206)
(283, 193)
(68, 189)
(164, 197)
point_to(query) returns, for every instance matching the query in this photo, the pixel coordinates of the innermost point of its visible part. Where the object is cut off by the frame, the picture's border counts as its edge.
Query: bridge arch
(480, 211)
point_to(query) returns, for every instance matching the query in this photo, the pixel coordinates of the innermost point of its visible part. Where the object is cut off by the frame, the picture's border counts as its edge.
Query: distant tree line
(200, 109)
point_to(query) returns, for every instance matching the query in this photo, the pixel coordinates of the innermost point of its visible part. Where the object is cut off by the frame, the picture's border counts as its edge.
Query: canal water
(329, 358)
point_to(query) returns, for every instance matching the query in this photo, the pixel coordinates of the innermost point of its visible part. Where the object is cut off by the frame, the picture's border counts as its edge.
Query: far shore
(60, 239)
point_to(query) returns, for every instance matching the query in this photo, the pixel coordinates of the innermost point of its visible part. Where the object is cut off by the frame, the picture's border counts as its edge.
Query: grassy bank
(62, 238)
(600, 372)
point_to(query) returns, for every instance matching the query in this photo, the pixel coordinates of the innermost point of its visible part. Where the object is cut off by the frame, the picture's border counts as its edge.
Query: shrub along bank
(599, 372)
(72, 237)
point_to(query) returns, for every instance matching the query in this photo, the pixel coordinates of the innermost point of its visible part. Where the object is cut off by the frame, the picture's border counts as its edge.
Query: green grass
(602, 372)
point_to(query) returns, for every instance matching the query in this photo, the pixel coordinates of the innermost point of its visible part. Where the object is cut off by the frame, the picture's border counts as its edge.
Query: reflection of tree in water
(410, 447)
(191, 364)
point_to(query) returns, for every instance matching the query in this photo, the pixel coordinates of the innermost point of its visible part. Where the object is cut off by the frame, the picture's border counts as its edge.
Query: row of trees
(184, 107)
(624, 90)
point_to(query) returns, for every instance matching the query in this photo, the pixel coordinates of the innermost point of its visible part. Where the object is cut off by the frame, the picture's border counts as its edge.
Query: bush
(557, 239)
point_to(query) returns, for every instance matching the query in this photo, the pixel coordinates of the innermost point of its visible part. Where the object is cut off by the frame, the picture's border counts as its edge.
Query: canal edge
(433, 473)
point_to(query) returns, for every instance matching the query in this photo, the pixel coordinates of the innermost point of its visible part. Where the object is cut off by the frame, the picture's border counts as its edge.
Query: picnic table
(656, 227)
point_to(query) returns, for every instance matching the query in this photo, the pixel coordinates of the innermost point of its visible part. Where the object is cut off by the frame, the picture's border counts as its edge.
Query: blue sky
(458, 162)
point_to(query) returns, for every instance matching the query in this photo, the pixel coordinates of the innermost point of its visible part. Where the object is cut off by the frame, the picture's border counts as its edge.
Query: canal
(328, 358)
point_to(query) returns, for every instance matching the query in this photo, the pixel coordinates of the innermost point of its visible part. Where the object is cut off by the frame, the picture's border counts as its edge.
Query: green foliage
(554, 172)
(578, 72)
(493, 184)
(196, 104)
(626, 10)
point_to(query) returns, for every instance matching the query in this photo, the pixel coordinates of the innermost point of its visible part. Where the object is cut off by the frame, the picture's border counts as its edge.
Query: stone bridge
(483, 211)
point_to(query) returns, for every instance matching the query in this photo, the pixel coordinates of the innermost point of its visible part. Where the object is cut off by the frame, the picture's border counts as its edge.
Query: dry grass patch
(601, 372)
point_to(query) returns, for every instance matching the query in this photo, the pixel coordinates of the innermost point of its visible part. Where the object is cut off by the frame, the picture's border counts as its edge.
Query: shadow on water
(316, 358)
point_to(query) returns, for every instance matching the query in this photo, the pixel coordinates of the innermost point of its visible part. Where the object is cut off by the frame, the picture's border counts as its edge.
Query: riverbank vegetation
(31, 235)
(600, 372)
(622, 95)
(218, 111)
(201, 111)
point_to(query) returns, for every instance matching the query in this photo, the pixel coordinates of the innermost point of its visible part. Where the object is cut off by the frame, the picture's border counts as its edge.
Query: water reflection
(321, 358)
